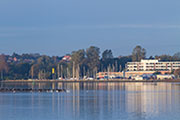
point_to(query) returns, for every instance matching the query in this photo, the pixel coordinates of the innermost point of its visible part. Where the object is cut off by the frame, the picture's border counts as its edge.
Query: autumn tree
(3, 66)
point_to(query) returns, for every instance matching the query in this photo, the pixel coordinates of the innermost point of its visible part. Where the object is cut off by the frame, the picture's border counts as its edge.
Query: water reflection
(107, 101)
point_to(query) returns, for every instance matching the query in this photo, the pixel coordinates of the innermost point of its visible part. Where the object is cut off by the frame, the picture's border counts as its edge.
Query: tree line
(83, 63)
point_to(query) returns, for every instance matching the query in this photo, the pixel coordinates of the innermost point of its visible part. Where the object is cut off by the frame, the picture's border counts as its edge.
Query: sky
(58, 27)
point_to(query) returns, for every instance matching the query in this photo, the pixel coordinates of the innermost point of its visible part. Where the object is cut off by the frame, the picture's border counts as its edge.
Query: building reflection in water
(140, 99)
(100, 99)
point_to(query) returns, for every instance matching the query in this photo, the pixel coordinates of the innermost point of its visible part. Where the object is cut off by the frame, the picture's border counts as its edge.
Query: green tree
(20, 70)
(138, 53)
(42, 69)
(78, 57)
(164, 57)
(77, 60)
(92, 61)
(107, 54)
(176, 56)
(107, 60)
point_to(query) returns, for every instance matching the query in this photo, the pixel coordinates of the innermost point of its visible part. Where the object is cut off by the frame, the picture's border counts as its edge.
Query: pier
(30, 90)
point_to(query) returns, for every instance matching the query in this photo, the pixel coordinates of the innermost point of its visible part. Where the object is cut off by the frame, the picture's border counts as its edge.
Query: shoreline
(85, 81)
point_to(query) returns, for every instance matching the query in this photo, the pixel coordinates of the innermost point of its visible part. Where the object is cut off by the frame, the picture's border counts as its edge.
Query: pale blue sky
(57, 27)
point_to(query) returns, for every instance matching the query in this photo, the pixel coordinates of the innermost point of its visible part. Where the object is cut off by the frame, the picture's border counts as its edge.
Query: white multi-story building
(152, 65)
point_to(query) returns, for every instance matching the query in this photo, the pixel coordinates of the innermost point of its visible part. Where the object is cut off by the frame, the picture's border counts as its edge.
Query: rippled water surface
(93, 101)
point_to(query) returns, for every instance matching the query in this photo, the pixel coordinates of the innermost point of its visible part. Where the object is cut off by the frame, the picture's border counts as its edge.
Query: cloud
(22, 28)
(19, 31)
(98, 26)
(146, 26)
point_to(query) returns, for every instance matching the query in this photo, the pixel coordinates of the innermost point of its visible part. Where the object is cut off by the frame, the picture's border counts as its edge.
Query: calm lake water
(93, 101)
